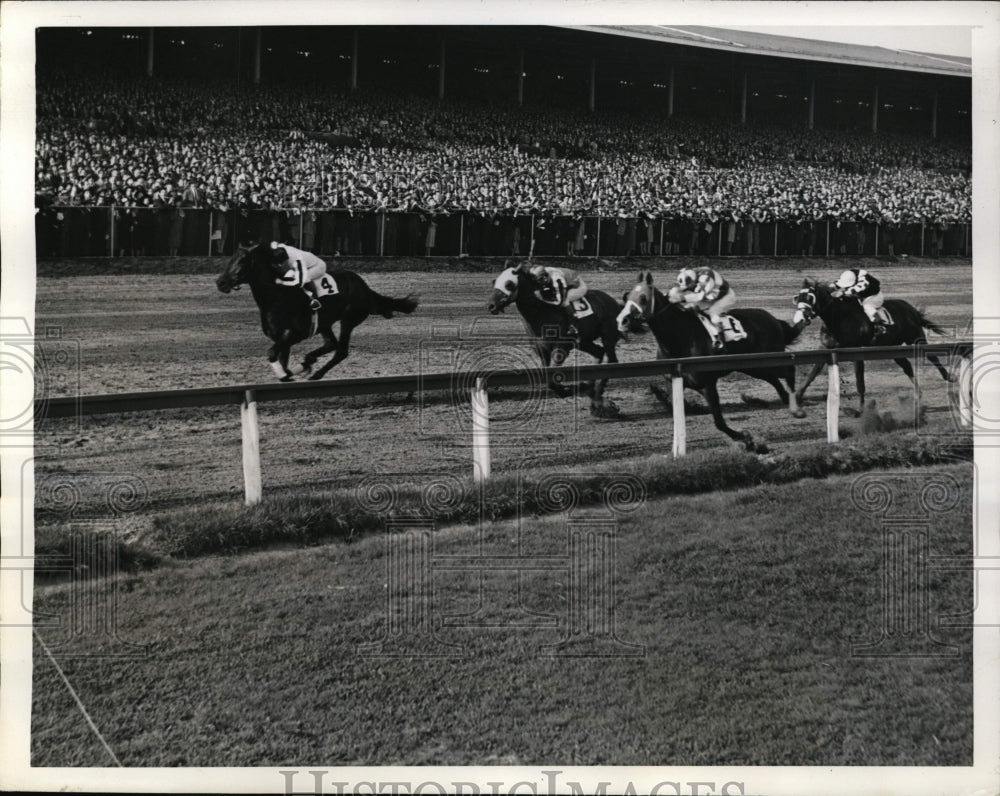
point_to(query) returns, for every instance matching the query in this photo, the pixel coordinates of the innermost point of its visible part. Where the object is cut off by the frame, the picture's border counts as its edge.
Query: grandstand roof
(790, 47)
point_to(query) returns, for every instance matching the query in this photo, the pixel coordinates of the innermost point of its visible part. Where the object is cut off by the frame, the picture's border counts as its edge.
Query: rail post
(251, 449)
(480, 431)
(833, 400)
(677, 404)
(597, 241)
(965, 391)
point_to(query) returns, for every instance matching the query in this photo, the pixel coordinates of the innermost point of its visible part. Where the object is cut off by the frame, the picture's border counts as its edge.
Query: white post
(461, 232)
(480, 431)
(965, 391)
(660, 251)
(251, 449)
(827, 238)
(833, 402)
(922, 226)
(597, 240)
(680, 429)
(210, 231)
(876, 240)
(111, 231)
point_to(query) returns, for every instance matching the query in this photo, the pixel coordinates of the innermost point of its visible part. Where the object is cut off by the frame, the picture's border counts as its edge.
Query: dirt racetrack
(128, 332)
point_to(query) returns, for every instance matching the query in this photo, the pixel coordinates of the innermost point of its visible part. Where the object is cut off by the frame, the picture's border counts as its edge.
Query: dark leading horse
(549, 325)
(285, 315)
(845, 325)
(680, 333)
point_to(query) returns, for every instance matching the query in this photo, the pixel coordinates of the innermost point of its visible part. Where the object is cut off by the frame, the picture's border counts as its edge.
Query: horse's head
(640, 303)
(237, 270)
(504, 290)
(810, 300)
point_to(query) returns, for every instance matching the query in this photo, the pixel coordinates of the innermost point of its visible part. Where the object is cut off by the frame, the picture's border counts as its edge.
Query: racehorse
(845, 325)
(285, 315)
(549, 325)
(680, 333)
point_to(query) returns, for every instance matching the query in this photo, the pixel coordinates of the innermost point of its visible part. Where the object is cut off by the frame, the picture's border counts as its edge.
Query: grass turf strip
(316, 517)
(746, 604)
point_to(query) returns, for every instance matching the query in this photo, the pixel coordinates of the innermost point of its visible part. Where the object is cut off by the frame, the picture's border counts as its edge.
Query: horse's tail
(926, 323)
(790, 332)
(387, 305)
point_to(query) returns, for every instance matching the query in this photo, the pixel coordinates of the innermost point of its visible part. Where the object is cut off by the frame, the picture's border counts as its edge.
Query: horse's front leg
(809, 380)
(859, 379)
(554, 356)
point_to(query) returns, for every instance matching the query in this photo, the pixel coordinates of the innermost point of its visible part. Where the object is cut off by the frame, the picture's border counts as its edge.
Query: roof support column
(441, 71)
(934, 111)
(520, 78)
(743, 101)
(812, 104)
(593, 82)
(354, 61)
(670, 95)
(256, 59)
(149, 51)
(875, 110)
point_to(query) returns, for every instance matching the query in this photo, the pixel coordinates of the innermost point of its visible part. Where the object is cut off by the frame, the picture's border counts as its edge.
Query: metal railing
(113, 231)
(456, 384)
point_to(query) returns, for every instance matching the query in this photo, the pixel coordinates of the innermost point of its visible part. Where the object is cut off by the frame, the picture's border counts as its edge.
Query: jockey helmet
(278, 254)
(687, 278)
(846, 280)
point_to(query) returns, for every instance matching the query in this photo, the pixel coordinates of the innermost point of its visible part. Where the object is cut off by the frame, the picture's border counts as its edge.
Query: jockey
(858, 283)
(561, 287)
(704, 290)
(298, 268)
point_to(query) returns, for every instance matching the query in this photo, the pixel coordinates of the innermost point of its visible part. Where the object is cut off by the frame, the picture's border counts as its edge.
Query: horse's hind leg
(941, 368)
(343, 349)
(711, 393)
(329, 344)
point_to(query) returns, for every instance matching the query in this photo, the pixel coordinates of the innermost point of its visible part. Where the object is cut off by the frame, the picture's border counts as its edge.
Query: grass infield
(745, 613)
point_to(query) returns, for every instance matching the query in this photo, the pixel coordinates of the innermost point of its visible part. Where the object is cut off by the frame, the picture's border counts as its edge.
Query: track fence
(457, 384)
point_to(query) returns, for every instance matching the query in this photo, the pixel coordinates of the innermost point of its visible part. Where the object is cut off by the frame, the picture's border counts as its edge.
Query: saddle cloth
(326, 285)
(582, 308)
(732, 329)
(882, 314)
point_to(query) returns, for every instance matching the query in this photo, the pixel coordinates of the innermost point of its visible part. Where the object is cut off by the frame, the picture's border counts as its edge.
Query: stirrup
(717, 344)
(314, 305)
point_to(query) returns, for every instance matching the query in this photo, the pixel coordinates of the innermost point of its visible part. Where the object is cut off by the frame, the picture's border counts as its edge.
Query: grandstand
(498, 140)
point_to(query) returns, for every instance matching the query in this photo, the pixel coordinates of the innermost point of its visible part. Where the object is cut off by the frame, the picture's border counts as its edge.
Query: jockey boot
(878, 329)
(314, 304)
(571, 329)
(717, 344)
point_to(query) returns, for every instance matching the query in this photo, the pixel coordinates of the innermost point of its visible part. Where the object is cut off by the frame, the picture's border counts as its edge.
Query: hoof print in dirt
(606, 410)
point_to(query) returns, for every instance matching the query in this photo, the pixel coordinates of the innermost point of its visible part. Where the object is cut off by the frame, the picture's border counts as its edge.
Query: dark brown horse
(286, 318)
(680, 333)
(845, 325)
(549, 326)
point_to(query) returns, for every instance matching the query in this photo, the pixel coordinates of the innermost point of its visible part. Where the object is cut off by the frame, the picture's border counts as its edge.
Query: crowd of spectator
(161, 143)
